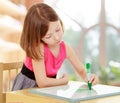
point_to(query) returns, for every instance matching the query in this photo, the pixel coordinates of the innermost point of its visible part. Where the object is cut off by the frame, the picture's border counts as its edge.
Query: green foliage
(72, 77)
(104, 76)
(72, 37)
(109, 77)
(115, 71)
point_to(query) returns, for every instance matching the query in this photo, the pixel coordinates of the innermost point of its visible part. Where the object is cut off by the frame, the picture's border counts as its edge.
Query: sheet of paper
(78, 91)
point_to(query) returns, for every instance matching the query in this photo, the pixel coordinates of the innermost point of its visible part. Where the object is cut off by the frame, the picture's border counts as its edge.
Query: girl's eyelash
(47, 37)
(58, 30)
(50, 35)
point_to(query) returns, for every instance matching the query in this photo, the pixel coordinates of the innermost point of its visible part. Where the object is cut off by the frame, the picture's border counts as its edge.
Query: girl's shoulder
(69, 49)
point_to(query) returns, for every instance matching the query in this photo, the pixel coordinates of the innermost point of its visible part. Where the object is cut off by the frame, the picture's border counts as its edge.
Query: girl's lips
(58, 42)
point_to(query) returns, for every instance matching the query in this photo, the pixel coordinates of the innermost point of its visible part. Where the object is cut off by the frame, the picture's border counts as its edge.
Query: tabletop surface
(77, 91)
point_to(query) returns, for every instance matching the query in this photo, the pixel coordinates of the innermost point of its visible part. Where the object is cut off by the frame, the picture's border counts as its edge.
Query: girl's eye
(47, 37)
(58, 30)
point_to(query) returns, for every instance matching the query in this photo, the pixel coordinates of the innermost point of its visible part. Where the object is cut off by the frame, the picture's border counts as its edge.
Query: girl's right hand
(65, 78)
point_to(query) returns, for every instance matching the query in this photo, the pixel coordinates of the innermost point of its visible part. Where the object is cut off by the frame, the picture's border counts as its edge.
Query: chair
(7, 67)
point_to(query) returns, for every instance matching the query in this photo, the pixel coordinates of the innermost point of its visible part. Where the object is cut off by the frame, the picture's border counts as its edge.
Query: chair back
(7, 68)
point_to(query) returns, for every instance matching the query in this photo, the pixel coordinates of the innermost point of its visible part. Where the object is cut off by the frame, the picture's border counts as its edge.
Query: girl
(42, 41)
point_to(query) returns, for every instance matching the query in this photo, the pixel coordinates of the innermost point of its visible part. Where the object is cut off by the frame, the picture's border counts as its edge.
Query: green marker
(88, 67)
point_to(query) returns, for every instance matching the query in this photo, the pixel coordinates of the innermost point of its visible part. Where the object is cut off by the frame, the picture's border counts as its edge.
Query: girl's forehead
(53, 25)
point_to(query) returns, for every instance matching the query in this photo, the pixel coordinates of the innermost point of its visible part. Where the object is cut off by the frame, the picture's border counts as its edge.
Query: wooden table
(74, 92)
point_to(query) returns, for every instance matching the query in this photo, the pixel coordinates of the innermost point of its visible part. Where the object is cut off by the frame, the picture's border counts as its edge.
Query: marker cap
(88, 67)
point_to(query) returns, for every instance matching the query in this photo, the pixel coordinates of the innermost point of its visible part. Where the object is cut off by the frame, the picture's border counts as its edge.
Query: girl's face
(54, 34)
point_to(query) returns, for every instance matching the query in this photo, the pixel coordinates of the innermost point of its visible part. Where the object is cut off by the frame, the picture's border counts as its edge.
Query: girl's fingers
(94, 79)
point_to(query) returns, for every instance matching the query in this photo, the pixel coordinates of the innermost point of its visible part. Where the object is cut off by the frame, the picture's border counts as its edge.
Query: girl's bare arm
(79, 67)
(41, 78)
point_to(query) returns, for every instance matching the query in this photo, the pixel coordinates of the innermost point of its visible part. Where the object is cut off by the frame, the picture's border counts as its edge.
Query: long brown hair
(35, 27)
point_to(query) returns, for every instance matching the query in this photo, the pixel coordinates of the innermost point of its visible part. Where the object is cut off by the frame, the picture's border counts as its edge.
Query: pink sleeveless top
(52, 63)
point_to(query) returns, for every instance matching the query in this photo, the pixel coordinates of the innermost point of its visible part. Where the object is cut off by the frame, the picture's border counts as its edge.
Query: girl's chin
(58, 42)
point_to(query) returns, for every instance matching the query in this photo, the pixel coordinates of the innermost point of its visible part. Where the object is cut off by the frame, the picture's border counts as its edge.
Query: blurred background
(92, 28)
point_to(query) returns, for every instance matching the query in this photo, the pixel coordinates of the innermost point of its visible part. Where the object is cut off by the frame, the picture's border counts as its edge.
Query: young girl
(42, 41)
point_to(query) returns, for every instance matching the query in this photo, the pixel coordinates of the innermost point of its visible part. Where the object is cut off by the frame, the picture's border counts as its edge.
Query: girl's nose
(56, 37)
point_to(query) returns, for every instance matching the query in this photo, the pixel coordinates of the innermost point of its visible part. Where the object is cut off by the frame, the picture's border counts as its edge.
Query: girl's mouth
(58, 42)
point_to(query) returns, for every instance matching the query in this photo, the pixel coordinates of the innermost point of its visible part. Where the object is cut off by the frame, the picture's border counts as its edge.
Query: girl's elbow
(42, 84)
